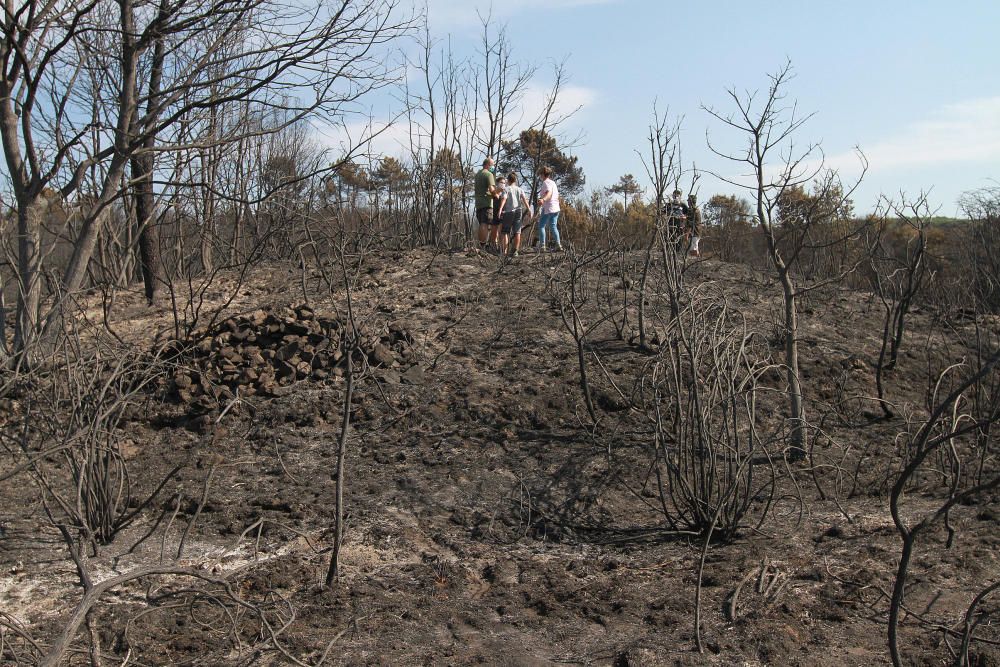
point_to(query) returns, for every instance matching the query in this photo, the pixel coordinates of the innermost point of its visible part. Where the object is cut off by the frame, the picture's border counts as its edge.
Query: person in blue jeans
(548, 209)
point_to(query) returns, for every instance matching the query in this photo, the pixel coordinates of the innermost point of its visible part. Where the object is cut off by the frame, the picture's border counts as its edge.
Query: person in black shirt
(676, 213)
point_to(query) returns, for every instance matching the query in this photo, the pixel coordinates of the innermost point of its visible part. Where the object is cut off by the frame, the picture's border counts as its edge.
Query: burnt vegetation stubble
(342, 445)
(483, 484)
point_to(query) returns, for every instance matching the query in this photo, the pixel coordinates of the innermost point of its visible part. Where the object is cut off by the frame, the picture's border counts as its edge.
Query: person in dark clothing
(676, 213)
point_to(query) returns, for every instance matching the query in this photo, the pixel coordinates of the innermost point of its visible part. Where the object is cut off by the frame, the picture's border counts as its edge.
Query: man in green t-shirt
(485, 188)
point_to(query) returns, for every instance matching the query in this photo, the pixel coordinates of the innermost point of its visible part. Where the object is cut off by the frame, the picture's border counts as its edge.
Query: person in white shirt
(694, 225)
(548, 209)
(513, 204)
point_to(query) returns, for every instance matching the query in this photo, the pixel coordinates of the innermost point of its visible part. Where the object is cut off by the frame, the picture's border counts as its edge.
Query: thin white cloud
(967, 131)
(571, 98)
(447, 14)
(394, 139)
(381, 136)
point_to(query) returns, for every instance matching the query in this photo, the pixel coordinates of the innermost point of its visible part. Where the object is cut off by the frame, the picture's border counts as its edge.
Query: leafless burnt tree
(61, 129)
(662, 168)
(500, 84)
(571, 295)
(898, 275)
(776, 166)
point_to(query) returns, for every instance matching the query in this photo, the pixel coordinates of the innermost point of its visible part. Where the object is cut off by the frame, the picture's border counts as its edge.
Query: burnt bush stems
(946, 426)
(897, 277)
(705, 398)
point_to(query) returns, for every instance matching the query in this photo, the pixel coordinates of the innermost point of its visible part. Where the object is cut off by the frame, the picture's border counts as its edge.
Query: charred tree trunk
(796, 409)
(145, 212)
(143, 165)
(127, 108)
(642, 288)
(29, 259)
(209, 167)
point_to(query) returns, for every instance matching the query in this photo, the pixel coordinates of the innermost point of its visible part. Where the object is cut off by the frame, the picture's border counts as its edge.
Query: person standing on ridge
(676, 212)
(694, 225)
(485, 188)
(495, 229)
(513, 204)
(548, 210)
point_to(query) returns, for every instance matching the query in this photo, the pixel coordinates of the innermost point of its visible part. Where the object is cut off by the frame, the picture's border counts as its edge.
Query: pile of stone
(267, 351)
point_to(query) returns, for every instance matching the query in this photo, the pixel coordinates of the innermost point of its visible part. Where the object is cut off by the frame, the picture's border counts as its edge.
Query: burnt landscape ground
(488, 520)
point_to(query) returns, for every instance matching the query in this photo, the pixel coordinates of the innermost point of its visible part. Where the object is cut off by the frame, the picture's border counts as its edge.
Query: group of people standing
(501, 206)
(684, 223)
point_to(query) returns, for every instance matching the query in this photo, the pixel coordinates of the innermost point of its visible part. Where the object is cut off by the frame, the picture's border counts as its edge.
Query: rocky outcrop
(265, 352)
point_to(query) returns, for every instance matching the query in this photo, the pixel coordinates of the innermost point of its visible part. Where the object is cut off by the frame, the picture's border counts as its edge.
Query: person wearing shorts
(513, 204)
(485, 187)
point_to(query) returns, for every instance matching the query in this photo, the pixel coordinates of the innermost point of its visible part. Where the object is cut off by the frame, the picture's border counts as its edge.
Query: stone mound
(263, 353)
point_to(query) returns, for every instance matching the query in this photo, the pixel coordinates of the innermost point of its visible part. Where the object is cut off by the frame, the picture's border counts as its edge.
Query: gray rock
(414, 375)
(389, 376)
(383, 356)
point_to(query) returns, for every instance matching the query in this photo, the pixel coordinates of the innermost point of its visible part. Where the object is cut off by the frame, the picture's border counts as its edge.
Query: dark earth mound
(488, 520)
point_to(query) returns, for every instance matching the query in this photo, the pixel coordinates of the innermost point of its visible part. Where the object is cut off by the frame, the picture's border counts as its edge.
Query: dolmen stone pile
(267, 351)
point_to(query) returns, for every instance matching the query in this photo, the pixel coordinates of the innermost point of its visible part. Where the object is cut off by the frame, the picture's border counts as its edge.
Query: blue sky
(916, 85)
